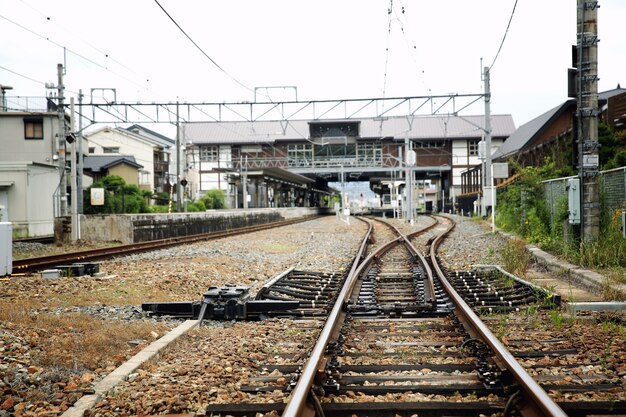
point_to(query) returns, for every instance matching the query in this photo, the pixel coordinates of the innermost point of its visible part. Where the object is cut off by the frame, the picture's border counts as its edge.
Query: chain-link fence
(612, 187)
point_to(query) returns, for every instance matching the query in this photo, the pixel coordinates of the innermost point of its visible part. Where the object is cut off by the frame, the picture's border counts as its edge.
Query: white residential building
(30, 174)
(150, 150)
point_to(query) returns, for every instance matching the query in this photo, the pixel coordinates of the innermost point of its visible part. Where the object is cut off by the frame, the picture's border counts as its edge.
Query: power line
(106, 55)
(22, 75)
(504, 37)
(412, 47)
(200, 49)
(69, 50)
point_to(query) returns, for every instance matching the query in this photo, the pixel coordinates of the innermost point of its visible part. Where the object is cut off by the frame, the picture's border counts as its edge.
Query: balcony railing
(161, 167)
(316, 162)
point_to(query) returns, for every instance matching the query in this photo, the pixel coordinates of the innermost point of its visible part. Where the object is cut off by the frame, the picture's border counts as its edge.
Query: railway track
(397, 334)
(395, 309)
(29, 265)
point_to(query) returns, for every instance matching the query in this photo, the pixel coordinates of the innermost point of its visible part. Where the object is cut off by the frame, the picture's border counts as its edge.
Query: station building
(290, 162)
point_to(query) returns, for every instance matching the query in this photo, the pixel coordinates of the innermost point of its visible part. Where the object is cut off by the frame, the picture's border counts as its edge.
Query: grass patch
(73, 341)
(515, 257)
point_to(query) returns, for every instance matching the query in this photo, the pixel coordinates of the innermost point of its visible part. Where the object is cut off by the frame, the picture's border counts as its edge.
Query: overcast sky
(328, 49)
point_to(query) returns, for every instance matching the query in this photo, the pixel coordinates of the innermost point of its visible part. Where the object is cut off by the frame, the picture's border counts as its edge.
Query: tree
(119, 197)
(213, 199)
(612, 147)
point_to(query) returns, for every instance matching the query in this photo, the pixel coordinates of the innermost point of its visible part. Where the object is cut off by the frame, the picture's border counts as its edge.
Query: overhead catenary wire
(201, 50)
(89, 60)
(505, 33)
(22, 75)
(95, 48)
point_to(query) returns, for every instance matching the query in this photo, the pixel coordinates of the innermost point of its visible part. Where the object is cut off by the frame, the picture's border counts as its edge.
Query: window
(209, 153)
(429, 144)
(334, 129)
(92, 149)
(300, 155)
(110, 149)
(33, 128)
(472, 147)
(370, 154)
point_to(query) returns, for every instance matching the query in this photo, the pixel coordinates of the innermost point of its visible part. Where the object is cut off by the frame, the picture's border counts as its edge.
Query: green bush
(196, 206)
(213, 199)
(159, 209)
(607, 252)
(522, 210)
(119, 197)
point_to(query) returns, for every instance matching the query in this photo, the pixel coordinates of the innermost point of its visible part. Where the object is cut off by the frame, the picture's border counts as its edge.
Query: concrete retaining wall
(134, 228)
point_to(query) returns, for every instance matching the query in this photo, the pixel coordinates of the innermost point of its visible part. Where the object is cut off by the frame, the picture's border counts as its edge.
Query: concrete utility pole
(587, 111)
(79, 138)
(61, 142)
(179, 193)
(408, 177)
(75, 235)
(488, 197)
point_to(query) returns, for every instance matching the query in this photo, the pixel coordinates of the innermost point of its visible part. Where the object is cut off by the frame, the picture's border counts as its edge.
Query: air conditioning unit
(6, 248)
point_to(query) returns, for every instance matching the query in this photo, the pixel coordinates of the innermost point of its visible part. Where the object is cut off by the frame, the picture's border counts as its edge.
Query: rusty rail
(536, 402)
(298, 400)
(28, 265)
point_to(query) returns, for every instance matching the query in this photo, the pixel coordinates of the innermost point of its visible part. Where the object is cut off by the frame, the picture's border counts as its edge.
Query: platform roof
(391, 128)
(273, 173)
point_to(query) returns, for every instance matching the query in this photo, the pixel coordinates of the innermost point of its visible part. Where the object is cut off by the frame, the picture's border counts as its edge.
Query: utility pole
(244, 183)
(79, 138)
(408, 177)
(75, 235)
(488, 174)
(178, 185)
(587, 112)
(61, 142)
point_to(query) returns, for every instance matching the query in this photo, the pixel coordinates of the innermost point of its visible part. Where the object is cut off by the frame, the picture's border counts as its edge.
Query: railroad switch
(228, 302)
(79, 269)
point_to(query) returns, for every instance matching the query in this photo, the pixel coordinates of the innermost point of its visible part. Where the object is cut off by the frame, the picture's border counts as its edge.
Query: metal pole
(408, 177)
(493, 203)
(79, 138)
(75, 235)
(178, 188)
(61, 142)
(488, 177)
(244, 184)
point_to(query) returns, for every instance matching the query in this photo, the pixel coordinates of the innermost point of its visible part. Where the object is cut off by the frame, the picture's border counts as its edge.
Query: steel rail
(297, 401)
(538, 402)
(36, 264)
(416, 252)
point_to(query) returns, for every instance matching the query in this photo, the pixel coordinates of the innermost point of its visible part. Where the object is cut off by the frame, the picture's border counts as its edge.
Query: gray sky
(329, 49)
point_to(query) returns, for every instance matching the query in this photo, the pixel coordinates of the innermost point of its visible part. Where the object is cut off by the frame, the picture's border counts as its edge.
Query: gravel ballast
(175, 274)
